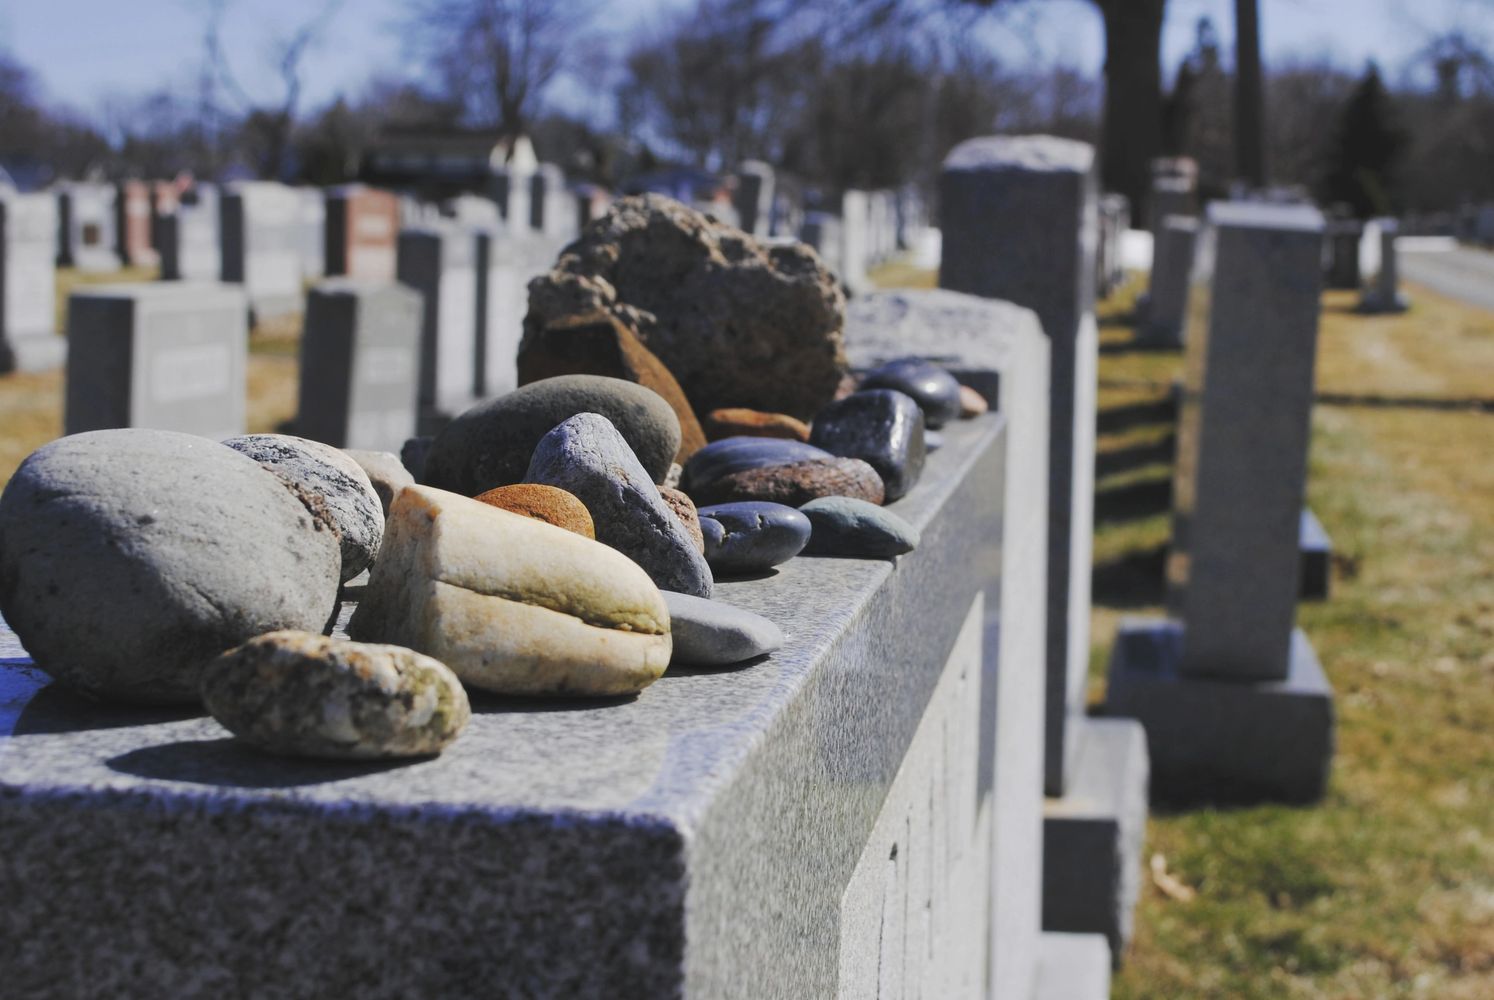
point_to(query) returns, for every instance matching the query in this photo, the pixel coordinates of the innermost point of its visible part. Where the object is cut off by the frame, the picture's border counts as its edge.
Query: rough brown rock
(796, 483)
(599, 343)
(550, 504)
(738, 421)
(684, 509)
(737, 323)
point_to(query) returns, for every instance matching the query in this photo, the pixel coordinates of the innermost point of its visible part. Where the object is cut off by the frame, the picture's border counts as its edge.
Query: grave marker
(132, 224)
(263, 238)
(1167, 300)
(1384, 294)
(362, 228)
(86, 225)
(28, 249)
(753, 198)
(190, 242)
(440, 263)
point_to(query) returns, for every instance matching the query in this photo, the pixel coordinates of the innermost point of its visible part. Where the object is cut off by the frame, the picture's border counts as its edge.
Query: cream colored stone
(513, 605)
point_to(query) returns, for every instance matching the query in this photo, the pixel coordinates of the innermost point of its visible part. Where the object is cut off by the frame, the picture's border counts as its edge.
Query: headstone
(1174, 190)
(360, 358)
(132, 224)
(165, 198)
(313, 225)
(1172, 265)
(1483, 224)
(1343, 237)
(1019, 220)
(469, 210)
(552, 209)
(821, 230)
(505, 267)
(1384, 294)
(28, 283)
(513, 187)
(86, 227)
(1231, 695)
(263, 239)
(190, 242)
(362, 227)
(854, 248)
(754, 198)
(440, 263)
(163, 355)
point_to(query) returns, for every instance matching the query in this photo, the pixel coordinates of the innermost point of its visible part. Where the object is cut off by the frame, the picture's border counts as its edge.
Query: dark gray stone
(845, 526)
(752, 536)
(935, 390)
(586, 456)
(130, 558)
(490, 445)
(711, 634)
(882, 427)
(736, 454)
(332, 487)
(413, 453)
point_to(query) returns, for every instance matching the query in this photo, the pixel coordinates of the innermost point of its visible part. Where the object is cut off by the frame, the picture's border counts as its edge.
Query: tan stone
(550, 504)
(512, 604)
(684, 508)
(737, 421)
(972, 403)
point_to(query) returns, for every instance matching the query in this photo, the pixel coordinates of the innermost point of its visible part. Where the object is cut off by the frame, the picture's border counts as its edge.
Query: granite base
(1219, 740)
(1093, 835)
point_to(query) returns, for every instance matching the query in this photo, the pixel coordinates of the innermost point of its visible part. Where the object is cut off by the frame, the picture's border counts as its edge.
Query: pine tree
(1367, 151)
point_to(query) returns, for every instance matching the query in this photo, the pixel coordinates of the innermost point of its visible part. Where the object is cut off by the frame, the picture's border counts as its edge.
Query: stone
(588, 457)
(511, 604)
(491, 444)
(1172, 265)
(543, 503)
(598, 343)
(684, 509)
(190, 239)
(440, 263)
(86, 227)
(735, 454)
(306, 695)
(712, 634)
(263, 250)
(735, 421)
(1072, 967)
(972, 403)
(165, 355)
(882, 427)
(934, 390)
(1384, 295)
(754, 536)
(413, 453)
(1020, 222)
(505, 266)
(333, 488)
(130, 558)
(795, 483)
(738, 323)
(846, 526)
(360, 363)
(28, 283)
(362, 228)
(385, 472)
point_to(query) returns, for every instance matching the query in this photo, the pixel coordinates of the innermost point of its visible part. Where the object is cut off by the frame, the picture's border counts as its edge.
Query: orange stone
(736, 420)
(543, 503)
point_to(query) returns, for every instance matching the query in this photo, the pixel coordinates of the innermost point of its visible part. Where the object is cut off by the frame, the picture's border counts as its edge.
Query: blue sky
(87, 52)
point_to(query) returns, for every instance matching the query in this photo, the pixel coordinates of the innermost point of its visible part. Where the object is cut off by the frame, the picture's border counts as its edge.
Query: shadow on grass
(1118, 460)
(1135, 580)
(1150, 413)
(1133, 501)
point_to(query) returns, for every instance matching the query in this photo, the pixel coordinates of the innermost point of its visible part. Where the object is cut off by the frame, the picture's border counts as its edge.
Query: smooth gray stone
(711, 634)
(738, 453)
(845, 526)
(935, 390)
(883, 428)
(587, 456)
(1094, 833)
(332, 487)
(1214, 740)
(130, 558)
(385, 471)
(704, 834)
(752, 535)
(491, 444)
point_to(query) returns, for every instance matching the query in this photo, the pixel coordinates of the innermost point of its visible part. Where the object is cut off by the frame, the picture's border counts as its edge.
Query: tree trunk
(1131, 132)
(1250, 129)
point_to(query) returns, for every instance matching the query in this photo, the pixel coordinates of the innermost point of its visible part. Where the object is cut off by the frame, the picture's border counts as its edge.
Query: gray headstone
(440, 263)
(169, 356)
(362, 228)
(821, 230)
(505, 267)
(28, 283)
(263, 241)
(360, 357)
(754, 198)
(855, 248)
(552, 208)
(190, 243)
(1343, 236)
(313, 225)
(86, 223)
(1243, 435)
(1172, 267)
(1019, 220)
(1384, 294)
(1170, 196)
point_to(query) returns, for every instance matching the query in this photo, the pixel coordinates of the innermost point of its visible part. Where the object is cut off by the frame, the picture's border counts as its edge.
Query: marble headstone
(263, 241)
(190, 243)
(440, 262)
(28, 285)
(86, 227)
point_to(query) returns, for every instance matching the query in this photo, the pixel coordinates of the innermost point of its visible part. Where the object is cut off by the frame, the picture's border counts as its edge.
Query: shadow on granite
(484, 703)
(54, 709)
(227, 763)
(689, 670)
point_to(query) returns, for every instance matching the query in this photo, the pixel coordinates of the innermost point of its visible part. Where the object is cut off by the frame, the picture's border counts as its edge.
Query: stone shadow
(228, 763)
(56, 709)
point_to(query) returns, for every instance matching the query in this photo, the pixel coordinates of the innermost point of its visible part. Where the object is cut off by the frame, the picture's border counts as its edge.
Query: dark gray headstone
(1172, 264)
(753, 198)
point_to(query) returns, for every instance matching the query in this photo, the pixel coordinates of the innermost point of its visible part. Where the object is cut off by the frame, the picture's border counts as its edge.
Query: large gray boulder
(131, 558)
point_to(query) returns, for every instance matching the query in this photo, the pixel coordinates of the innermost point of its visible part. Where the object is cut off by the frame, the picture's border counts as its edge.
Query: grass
(1385, 889)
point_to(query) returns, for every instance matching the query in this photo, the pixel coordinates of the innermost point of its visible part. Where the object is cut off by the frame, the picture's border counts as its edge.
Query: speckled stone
(491, 444)
(743, 422)
(934, 390)
(844, 526)
(712, 634)
(332, 487)
(684, 509)
(733, 454)
(588, 457)
(305, 695)
(511, 604)
(545, 503)
(972, 403)
(753, 536)
(796, 483)
(385, 471)
(882, 427)
(130, 558)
